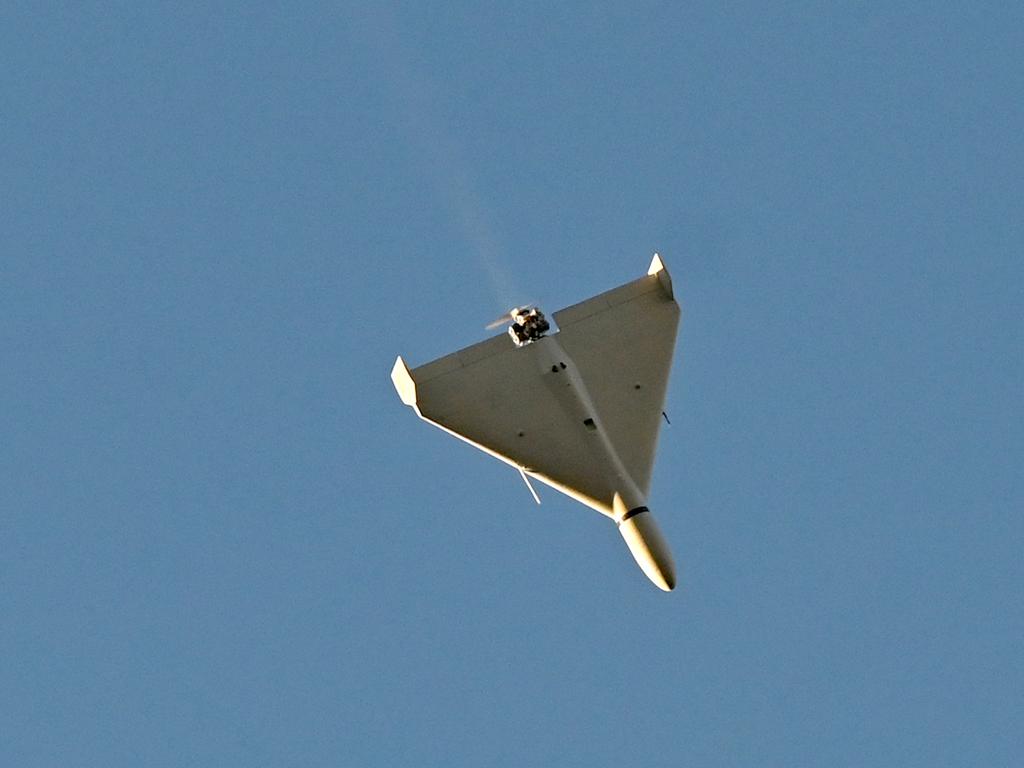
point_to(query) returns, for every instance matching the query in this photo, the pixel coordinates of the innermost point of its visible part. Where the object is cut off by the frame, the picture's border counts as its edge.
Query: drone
(578, 409)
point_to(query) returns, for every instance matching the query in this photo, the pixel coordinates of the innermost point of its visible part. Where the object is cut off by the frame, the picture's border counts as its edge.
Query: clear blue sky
(224, 540)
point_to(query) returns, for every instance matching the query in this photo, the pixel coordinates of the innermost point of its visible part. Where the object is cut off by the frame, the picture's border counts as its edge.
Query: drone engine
(528, 325)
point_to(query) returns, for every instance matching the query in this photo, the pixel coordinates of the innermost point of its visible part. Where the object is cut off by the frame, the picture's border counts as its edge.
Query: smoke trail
(413, 94)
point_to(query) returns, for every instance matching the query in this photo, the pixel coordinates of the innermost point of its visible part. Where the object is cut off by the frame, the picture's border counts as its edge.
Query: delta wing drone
(578, 409)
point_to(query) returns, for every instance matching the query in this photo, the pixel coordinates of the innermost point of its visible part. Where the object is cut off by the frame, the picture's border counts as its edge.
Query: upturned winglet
(658, 268)
(403, 382)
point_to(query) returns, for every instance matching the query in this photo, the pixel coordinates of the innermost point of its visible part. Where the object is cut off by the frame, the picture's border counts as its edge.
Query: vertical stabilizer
(403, 382)
(658, 268)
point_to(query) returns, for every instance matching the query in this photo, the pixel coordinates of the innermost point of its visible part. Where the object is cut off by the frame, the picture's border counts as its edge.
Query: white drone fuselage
(629, 506)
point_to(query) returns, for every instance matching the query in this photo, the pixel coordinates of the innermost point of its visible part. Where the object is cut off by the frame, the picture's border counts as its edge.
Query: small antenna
(528, 485)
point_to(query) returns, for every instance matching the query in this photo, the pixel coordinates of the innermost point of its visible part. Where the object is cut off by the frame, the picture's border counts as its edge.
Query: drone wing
(622, 341)
(501, 399)
(511, 403)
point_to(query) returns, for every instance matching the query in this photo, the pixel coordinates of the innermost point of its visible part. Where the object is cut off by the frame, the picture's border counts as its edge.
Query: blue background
(226, 542)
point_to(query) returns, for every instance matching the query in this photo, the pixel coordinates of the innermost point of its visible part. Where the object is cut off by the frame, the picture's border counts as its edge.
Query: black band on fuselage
(632, 512)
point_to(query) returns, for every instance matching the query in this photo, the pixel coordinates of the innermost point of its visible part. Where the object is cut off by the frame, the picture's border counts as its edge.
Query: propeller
(507, 317)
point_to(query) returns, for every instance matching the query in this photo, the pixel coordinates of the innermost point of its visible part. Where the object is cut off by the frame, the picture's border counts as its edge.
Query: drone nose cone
(649, 548)
(668, 581)
(662, 575)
